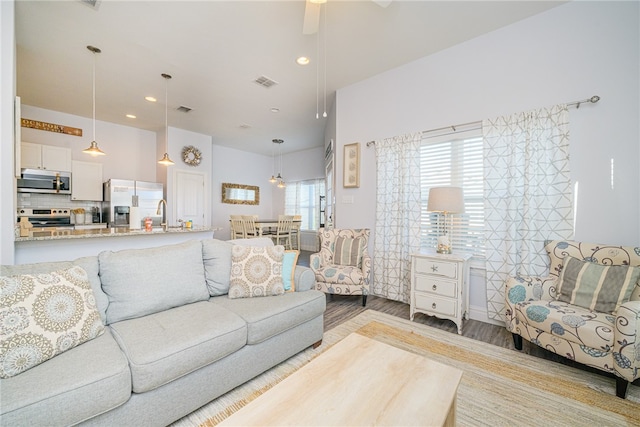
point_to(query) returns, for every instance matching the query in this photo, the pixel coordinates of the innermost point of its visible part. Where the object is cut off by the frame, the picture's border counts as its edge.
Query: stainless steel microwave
(44, 181)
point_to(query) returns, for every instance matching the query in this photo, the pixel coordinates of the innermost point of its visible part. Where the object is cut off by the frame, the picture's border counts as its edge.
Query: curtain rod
(591, 100)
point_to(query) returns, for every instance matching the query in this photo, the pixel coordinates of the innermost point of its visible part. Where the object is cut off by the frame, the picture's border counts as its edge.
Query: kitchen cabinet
(86, 181)
(440, 286)
(50, 157)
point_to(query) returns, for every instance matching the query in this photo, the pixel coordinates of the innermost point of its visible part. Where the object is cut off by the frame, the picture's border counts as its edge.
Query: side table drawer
(435, 267)
(435, 285)
(435, 304)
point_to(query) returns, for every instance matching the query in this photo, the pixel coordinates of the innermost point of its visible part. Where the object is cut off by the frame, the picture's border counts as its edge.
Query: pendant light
(165, 160)
(93, 148)
(279, 178)
(273, 179)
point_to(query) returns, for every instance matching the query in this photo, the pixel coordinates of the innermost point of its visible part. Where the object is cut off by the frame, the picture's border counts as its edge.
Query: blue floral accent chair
(606, 341)
(333, 276)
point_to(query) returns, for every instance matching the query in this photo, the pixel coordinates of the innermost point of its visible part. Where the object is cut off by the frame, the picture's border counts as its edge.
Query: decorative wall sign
(50, 127)
(351, 172)
(191, 155)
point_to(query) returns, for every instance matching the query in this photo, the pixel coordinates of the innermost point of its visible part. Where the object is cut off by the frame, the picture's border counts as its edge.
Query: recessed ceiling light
(275, 110)
(131, 116)
(303, 60)
(150, 98)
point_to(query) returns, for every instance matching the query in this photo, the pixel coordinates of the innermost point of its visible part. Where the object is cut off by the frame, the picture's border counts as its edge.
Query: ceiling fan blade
(311, 18)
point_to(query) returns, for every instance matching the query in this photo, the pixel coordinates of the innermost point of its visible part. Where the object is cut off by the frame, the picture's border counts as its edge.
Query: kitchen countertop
(66, 234)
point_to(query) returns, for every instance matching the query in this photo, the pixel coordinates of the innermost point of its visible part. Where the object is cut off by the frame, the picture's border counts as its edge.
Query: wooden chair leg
(517, 341)
(621, 387)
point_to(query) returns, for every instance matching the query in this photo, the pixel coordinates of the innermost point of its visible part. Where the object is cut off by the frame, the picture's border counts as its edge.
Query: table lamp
(445, 201)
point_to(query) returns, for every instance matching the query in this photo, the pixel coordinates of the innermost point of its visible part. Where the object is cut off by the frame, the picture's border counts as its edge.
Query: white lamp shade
(446, 199)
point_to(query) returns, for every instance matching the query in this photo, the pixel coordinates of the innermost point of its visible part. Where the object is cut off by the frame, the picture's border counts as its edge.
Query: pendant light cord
(94, 96)
(324, 114)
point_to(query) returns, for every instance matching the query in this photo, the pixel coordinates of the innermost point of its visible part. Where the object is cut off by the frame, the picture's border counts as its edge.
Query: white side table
(440, 286)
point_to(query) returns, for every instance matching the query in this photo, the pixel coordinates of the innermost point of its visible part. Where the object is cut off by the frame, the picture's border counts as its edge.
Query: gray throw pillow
(144, 281)
(216, 255)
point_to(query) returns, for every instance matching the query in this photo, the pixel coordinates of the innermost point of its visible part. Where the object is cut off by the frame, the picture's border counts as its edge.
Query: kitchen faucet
(164, 213)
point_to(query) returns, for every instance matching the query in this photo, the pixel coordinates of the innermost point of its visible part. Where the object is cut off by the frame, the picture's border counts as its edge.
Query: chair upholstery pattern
(341, 279)
(606, 341)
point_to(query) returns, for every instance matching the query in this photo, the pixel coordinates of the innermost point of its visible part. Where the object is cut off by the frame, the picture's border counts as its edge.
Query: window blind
(303, 198)
(454, 160)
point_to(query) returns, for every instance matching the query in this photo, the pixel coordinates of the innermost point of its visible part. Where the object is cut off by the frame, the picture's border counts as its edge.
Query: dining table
(270, 226)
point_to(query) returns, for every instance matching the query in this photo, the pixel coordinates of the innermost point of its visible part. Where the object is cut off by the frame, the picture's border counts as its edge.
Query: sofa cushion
(43, 315)
(95, 373)
(596, 287)
(270, 316)
(167, 345)
(256, 271)
(145, 281)
(570, 322)
(216, 255)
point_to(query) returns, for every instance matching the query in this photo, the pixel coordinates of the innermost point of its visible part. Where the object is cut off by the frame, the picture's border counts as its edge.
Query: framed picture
(351, 172)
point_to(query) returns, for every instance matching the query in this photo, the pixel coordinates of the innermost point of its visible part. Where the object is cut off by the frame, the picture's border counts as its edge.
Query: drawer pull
(434, 268)
(433, 305)
(434, 287)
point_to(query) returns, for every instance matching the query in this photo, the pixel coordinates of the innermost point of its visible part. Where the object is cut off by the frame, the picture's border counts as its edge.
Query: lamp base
(444, 245)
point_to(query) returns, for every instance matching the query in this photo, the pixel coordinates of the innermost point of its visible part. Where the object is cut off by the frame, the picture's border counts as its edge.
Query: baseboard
(480, 314)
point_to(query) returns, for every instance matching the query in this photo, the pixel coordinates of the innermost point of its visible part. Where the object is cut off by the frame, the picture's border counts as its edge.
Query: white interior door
(190, 197)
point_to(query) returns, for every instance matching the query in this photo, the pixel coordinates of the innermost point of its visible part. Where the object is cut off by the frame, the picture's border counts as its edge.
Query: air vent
(184, 109)
(93, 4)
(265, 81)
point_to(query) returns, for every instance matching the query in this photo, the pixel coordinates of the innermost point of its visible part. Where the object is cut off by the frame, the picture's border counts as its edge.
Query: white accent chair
(334, 276)
(609, 341)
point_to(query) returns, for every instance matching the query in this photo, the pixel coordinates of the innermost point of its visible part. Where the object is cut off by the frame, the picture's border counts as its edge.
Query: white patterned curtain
(528, 196)
(397, 232)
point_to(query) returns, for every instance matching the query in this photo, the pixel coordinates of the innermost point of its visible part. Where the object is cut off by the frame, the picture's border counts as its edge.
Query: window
(303, 198)
(454, 160)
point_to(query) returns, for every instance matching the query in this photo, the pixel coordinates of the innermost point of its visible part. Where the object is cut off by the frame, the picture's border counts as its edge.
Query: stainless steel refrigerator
(119, 196)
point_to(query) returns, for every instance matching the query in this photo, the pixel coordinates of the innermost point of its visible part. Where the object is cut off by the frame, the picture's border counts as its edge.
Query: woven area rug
(499, 387)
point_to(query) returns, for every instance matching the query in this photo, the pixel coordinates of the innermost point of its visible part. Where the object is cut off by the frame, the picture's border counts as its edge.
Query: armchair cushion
(596, 287)
(572, 323)
(348, 251)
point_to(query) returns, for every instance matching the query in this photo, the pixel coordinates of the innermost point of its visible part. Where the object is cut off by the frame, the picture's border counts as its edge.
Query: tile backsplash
(47, 200)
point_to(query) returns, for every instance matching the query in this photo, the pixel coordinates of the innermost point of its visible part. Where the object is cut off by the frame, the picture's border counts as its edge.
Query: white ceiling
(215, 49)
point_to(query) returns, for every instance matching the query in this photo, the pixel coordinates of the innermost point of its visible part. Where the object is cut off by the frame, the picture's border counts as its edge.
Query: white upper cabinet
(86, 181)
(38, 156)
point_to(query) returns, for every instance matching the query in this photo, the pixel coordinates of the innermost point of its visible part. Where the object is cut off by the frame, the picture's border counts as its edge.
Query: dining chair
(237, 227)
(283, 231)
(295, 230)
(249, 224)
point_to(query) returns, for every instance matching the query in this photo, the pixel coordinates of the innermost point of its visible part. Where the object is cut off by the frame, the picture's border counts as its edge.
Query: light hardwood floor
(342, 308)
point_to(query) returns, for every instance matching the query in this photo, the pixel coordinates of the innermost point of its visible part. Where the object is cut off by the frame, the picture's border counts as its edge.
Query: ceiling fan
(312, 14)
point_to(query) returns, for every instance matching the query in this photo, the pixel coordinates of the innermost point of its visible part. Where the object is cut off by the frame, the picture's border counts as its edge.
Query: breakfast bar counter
(38, 234)
(67, 245)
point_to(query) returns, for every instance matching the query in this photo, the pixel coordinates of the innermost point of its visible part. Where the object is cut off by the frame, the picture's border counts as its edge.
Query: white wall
(7, 96)
(568, 53)
(130, 152)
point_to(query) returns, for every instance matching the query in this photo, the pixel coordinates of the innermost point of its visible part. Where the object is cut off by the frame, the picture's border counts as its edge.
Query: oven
(46, 218)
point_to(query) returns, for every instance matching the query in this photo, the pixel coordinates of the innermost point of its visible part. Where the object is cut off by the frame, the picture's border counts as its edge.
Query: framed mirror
(239, 194)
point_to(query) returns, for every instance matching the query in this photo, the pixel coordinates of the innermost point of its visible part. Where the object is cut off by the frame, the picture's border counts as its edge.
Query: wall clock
(191, 155)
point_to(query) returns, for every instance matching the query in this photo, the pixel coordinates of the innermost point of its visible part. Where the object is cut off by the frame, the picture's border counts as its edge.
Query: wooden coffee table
(358, 382)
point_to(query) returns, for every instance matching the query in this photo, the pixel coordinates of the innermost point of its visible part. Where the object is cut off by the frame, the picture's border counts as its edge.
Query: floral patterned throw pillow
(43, 315)
(256, 271)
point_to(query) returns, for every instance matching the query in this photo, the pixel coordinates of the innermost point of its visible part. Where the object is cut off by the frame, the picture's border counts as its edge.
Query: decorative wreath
(191, 155)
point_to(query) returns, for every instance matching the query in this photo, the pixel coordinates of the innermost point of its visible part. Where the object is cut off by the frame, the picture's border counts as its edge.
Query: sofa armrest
(626, 341)
(304, 278)
(526, 288)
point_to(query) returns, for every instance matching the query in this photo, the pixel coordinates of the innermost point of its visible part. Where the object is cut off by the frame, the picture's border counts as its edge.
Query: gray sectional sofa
(173, 340)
